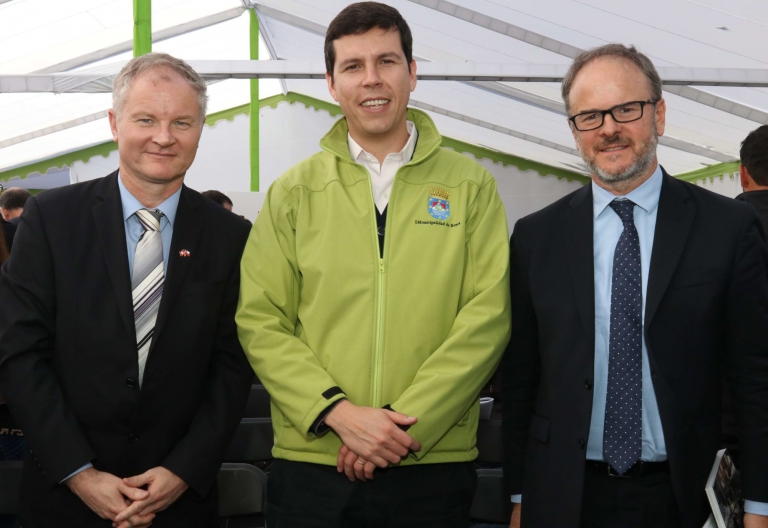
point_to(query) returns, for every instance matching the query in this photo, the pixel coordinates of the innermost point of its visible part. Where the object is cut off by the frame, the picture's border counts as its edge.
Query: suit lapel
(110, 228)
(186, 233)
(579, 230)
(673, 224)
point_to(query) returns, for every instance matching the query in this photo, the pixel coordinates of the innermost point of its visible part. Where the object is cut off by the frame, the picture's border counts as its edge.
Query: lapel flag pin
(184, 253)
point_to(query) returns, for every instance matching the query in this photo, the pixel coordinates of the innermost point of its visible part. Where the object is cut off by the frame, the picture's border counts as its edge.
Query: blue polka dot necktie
(622, 437)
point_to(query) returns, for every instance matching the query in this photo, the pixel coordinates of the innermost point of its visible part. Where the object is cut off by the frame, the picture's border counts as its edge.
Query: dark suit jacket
(68, 359)
(706, 310)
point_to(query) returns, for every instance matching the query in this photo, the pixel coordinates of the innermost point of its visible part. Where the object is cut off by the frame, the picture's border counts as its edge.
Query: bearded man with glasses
(630, 298)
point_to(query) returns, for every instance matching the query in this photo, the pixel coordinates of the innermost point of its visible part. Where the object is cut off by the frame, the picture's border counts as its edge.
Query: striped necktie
(147, 282)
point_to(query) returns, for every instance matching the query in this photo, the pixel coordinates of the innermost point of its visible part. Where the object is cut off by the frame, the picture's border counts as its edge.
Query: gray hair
(153, 61)
(612, 50)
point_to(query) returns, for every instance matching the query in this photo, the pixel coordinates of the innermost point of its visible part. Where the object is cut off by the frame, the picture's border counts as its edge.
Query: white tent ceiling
(705, 123)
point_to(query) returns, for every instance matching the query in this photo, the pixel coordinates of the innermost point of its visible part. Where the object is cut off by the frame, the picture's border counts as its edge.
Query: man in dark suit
(629, 298)
(118, 348)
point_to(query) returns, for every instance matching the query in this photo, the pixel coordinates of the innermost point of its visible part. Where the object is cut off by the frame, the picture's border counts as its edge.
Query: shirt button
(588, 384)
(130, 382)
(133, 438)
(581, 443)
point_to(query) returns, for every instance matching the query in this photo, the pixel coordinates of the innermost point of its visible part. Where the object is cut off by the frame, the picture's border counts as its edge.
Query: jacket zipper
(379, 331)
(380, 279)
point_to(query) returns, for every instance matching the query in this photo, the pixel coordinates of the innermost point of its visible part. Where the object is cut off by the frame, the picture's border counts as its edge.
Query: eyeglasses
(623, 113)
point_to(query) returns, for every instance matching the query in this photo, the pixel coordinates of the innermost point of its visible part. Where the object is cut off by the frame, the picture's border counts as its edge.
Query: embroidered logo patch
(438, 205)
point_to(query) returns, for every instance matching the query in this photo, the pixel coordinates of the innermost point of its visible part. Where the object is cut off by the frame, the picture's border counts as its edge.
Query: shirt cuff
(88, 465)
(517, 499)
(757, 508)
(319, 426)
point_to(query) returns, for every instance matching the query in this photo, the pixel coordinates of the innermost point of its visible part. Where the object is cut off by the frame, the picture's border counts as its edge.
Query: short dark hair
(616, 51)
(218, 197)
(14, 198)
(754, 154)
(362, 17)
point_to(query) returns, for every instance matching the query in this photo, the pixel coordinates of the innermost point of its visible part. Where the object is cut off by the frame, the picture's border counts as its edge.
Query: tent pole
(142, 27)
(254, 113)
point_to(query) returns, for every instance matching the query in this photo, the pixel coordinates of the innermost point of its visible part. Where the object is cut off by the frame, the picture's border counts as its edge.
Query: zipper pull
(381, 265)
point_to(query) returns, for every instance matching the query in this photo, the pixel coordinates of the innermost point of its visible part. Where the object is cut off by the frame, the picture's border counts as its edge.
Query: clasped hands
(123, 501)
(370, 438)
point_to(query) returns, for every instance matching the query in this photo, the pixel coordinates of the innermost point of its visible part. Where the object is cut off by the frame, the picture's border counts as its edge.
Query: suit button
(588, 384)
(130, 382)
(581, 443)
(133, 437)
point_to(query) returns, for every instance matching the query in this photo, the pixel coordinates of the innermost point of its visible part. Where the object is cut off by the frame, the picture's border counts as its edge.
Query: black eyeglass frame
(610, 111)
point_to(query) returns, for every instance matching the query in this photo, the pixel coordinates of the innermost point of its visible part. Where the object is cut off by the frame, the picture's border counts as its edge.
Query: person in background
(753, 172)
(11, 206)
(220, 198)
(12, 203)
(374, 303)
(119, 353)
(630, 299)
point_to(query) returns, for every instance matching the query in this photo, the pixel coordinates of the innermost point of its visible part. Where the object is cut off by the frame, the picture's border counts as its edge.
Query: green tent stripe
(508, 159)
(309, 102)
(711, 172)
(61, 161)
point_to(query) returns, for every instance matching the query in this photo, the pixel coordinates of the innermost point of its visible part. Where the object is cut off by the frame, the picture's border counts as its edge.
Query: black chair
(10, 484)
(242, 496)
(490, 503)
(252, 442)
(258, 403)
(490, 441)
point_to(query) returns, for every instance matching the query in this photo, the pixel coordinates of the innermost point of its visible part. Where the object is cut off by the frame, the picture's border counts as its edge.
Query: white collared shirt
(383, 174)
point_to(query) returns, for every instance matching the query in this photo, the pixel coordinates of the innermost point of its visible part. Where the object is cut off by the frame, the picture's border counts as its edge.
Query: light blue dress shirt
(133, 229)
(607, 231)
(133, 232)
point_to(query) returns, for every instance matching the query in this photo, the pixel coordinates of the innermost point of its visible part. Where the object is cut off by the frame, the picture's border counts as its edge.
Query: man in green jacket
(375, 302)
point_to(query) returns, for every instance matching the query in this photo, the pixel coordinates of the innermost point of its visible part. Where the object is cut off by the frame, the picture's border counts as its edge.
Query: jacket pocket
(539, 428)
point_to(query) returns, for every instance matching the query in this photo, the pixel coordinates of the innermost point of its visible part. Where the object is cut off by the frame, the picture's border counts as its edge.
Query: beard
(646, 154)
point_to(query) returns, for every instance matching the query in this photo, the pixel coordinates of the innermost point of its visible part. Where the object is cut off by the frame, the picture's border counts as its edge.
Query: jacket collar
(335, 141)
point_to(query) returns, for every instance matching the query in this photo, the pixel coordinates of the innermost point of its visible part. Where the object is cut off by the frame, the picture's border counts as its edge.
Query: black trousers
(644, 501)
(301, 495)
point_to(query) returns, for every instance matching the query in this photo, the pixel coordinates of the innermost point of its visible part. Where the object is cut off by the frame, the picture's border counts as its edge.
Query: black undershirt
(381, 222)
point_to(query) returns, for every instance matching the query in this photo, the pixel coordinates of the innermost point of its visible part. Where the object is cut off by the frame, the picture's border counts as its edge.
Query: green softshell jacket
(322, 317)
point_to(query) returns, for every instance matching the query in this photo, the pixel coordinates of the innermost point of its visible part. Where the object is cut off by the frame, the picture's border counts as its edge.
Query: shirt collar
(358, 154)
(131, 204)
(646, 196)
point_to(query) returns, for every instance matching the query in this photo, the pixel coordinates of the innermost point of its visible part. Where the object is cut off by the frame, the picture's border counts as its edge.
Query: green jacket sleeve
(448, 383)
(267, 317)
